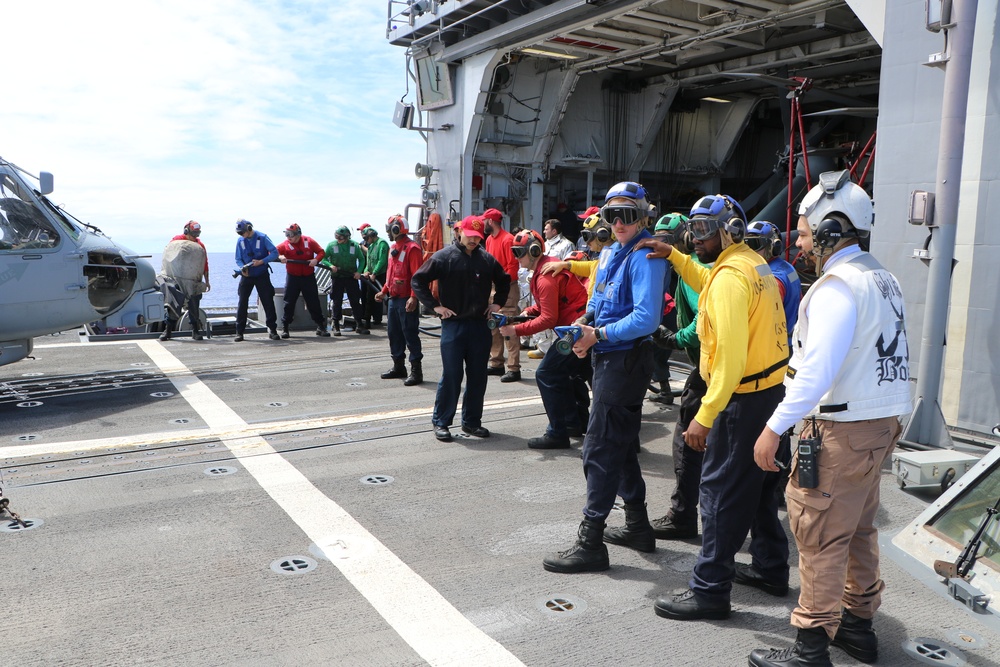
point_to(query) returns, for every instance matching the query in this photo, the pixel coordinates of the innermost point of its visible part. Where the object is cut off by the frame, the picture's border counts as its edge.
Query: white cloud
(151, 113)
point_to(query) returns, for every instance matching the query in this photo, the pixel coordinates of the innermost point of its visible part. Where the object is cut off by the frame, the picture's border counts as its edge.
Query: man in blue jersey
(624, 310)
(253, 252)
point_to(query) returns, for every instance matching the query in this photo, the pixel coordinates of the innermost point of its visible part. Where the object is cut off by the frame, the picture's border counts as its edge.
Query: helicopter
(58, 273)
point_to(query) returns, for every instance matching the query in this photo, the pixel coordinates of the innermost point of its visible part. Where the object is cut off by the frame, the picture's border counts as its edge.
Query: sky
(150, 113)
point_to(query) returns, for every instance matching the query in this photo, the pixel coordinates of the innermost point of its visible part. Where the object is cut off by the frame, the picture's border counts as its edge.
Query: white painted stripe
(189, 435)
(412, 607)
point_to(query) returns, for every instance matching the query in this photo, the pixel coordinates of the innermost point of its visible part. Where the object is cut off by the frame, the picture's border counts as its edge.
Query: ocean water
(220, 270)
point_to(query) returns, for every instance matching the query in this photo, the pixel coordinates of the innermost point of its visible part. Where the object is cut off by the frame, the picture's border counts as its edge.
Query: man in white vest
(849, 370)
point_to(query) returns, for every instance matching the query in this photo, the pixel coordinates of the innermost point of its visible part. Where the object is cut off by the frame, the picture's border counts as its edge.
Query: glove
(665, 338)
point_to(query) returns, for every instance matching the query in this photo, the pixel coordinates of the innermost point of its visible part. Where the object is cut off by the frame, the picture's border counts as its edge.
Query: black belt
(766, 372)
(839, 407)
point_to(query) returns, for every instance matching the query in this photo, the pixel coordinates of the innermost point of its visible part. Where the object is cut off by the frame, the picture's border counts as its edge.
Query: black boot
(589, 554)
(284, 331)
(811, 649)
(416, 374)
(398, 371)
(168, 330)
(272, 333)
(856, 636)
(637, 533)
(196, 329)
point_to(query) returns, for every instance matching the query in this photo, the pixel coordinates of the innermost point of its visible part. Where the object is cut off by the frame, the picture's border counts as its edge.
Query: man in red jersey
(405, 257)
(559, 301)
(300, 255)
(498, 243)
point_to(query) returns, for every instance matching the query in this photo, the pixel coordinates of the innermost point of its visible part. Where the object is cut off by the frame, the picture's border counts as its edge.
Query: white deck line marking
(181, 436)
(412, 607)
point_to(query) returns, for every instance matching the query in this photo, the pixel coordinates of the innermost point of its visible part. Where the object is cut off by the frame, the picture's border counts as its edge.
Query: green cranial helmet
(671, 222)
(343, 232)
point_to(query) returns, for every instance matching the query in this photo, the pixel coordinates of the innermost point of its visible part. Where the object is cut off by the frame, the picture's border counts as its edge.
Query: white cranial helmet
(836, 194)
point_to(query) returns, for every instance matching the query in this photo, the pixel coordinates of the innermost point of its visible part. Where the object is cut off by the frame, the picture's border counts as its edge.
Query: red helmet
(528, 242)
(192, 228)
(397, 225)
(293, 230)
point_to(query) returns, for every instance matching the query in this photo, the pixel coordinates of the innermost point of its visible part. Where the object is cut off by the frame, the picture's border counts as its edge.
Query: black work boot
(665, 396)
(272, 333)
(284, 331)
(336, 328)
(668, 528)
(398, 371)
(856, 636)
(589, 554)
(416, 375)
(321, 330)
(636, 533)
(196, 329)
(168, 330)
(811, 649)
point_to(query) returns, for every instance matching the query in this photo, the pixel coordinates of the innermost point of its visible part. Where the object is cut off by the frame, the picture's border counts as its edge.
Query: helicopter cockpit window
(22, 225)
(110, 279)
(963, 516)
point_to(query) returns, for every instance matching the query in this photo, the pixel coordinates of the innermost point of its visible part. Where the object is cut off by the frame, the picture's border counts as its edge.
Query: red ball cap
(589, 212)
(472, 225)
(493, 214)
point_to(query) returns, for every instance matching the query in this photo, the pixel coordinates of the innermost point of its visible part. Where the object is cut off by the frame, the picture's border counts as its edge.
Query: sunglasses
(622, 215)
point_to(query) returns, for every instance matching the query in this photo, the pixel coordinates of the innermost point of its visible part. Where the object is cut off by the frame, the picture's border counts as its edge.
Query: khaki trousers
(834, 524)
(514, 344)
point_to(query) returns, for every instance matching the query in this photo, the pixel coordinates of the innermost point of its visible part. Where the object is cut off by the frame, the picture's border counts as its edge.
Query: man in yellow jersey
(744, 353)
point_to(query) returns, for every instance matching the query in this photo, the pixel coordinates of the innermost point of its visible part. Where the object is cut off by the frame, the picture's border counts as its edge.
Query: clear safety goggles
(703, 228)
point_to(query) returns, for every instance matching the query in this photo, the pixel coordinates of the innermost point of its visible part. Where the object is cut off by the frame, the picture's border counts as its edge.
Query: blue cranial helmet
(763, 235)
(714, 212)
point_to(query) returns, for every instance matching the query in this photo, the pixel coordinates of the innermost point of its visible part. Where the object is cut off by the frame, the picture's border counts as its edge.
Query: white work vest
(874, 379)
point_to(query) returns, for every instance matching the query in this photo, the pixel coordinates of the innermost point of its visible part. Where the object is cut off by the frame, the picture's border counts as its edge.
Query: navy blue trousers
(465, 348)
(404, 330)
(265, 292)
(556, 378)
(687, 462)
(610, 450)
(736, 494)
(306, 286)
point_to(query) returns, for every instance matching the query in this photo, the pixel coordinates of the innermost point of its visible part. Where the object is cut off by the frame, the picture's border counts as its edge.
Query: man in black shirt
(466, 275)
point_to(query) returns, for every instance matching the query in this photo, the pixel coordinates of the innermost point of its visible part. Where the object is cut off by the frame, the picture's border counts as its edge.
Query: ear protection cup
(529, 242)
(776, 247)
(685, 242)
(831, 231)
(737, 229)
(603, 235)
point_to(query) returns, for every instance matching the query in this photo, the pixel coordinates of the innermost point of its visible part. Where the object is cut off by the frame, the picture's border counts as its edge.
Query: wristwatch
(599, 335)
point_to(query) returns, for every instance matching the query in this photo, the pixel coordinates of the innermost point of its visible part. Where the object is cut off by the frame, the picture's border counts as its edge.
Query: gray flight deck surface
(165, 498)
